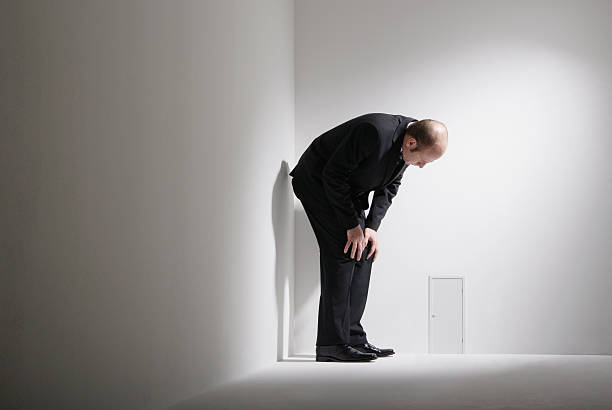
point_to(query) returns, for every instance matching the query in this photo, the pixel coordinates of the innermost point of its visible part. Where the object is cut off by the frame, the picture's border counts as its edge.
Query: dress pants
(344, 281)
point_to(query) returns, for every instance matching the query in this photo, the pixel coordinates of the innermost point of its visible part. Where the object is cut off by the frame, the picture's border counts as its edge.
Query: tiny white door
(445, 314)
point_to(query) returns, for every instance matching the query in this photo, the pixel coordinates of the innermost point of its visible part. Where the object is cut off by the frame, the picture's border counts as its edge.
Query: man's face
(419, 158)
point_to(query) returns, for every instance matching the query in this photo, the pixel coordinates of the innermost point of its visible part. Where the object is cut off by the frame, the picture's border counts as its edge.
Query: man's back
(381, 126)
(347, 162)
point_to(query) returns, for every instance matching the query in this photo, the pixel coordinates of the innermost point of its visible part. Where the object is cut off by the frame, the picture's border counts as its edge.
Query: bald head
(429, 134)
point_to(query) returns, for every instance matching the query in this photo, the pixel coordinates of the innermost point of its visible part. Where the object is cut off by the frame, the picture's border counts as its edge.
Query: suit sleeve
(356, 146)
(381, 201)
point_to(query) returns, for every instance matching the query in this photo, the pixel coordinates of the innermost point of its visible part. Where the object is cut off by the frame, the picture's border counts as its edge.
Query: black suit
(333, 179)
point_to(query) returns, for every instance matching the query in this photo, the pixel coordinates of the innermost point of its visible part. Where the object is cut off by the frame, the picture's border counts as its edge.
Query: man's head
(424, 142)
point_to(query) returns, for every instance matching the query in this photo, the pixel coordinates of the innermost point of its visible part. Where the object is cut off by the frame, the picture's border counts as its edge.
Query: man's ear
(412, 143)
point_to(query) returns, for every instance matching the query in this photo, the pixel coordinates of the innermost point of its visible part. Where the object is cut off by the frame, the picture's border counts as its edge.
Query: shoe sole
(383, 355)
(333, 359)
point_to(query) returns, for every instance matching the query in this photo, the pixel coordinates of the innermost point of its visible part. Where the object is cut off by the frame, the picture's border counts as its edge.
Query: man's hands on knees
(355, 237)
(370, 235)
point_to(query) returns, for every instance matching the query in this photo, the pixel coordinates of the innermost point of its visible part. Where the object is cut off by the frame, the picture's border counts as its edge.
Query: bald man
(333, 179)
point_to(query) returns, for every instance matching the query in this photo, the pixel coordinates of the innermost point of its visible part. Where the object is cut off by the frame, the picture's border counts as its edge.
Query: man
(333, 179)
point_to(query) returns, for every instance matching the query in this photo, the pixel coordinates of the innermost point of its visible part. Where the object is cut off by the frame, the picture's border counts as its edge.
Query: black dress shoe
(369, 348)
(342, 353)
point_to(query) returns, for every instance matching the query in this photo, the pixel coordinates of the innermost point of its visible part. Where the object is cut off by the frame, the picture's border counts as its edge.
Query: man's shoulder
(384, 123)
(378, 117)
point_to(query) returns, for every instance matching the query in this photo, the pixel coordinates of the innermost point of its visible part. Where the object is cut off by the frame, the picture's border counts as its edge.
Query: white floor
(422, 382)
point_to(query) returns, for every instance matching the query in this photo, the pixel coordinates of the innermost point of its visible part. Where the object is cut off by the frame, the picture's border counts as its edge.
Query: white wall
(520, 204)
(146, 218)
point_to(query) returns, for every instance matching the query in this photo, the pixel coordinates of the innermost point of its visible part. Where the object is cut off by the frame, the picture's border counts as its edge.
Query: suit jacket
(352, 159)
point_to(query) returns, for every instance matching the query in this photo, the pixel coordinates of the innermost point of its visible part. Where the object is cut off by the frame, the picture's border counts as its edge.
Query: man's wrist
(351, 223)
(374, 225)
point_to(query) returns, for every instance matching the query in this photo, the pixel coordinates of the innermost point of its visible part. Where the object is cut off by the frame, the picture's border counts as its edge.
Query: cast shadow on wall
(282, 225)
(296, 272)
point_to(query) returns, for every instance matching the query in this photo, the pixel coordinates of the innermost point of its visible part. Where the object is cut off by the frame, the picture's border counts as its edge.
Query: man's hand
(370, 235)
(355, 237)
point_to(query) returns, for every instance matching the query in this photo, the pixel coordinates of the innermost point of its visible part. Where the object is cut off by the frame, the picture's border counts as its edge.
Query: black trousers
(344, 281)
